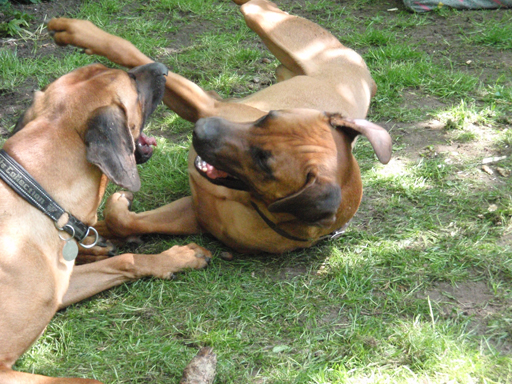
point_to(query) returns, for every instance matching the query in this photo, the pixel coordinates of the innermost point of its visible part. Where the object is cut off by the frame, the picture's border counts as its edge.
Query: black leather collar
(24, 185)
(332, 236)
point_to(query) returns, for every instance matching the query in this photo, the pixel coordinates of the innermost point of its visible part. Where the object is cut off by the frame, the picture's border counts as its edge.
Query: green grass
(380, 304)
(492, 33)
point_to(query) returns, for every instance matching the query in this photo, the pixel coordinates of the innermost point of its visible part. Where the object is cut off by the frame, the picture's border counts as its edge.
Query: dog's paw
(180, 258)
(123, 198)
(117, 214)
(102, 250)
(103, 246)
(79, 33)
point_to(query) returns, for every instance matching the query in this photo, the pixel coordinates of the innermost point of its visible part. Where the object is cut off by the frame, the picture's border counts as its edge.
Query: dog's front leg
(184, 97)
(90, 279)
(176, 218)
(94, 41)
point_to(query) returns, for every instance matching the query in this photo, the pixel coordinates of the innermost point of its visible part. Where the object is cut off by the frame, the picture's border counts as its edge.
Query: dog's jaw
(217, 176)
(144, 148)
(209, 170)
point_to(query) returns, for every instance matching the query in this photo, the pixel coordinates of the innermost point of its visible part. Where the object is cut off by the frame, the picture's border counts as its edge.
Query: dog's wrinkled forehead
(82, 91)
(117, 87)
(305, 133)
(303, 124)
(292, 120)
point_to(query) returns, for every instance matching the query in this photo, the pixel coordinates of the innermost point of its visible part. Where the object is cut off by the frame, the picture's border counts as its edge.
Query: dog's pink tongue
(214, 173)
(145, 140)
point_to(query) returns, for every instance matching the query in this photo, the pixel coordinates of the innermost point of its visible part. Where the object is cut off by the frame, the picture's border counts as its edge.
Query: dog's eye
(261, 159)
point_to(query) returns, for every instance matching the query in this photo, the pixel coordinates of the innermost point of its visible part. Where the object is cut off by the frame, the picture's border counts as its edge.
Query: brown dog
(80, 130)
(276, 171)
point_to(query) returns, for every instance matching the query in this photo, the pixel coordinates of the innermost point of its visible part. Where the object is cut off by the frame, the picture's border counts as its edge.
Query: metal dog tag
(70, 250)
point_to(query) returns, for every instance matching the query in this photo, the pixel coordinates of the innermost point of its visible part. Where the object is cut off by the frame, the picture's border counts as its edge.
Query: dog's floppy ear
(110, 146)
(316, 203)
(379, 138)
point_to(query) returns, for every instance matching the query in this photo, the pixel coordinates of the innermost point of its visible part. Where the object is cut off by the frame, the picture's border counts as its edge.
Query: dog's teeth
(201, 164)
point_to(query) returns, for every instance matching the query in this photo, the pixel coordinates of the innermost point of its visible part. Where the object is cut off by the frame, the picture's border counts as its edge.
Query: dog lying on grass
(273, 171)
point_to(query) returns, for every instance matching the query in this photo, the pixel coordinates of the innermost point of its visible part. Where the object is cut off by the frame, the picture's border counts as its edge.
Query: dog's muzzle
(144, 148)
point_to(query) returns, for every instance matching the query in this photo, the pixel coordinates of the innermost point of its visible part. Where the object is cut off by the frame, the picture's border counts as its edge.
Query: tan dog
(84, 127)
(266, 181)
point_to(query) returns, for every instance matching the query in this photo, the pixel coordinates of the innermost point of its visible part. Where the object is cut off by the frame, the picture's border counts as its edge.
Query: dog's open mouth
(218, 177)
(144, 149)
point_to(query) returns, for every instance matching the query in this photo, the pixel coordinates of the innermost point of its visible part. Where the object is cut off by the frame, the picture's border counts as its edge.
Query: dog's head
(293, 161)
(107, 108)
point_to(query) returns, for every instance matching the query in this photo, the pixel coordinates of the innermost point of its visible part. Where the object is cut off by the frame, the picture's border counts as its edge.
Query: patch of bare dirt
(472, 299)
(444, 39)
(416, 99)
(431, 139)
(41, 14)
(506, 240)
(418, 137)
(13, 104)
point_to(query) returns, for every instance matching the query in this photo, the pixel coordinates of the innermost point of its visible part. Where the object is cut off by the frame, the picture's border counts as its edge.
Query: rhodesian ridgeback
(82, 129)
(273, 171)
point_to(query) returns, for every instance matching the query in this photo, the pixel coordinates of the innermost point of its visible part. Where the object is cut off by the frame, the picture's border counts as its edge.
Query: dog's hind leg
(300, 45)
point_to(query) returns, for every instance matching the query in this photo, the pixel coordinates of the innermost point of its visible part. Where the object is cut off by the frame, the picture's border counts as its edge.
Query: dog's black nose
(213, 135)
(207, 130)
(207, 136)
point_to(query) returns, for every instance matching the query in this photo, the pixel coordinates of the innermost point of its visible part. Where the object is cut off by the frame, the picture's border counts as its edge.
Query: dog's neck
(276, 228)
(19, 180)
(289, 227)
(62, 170)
